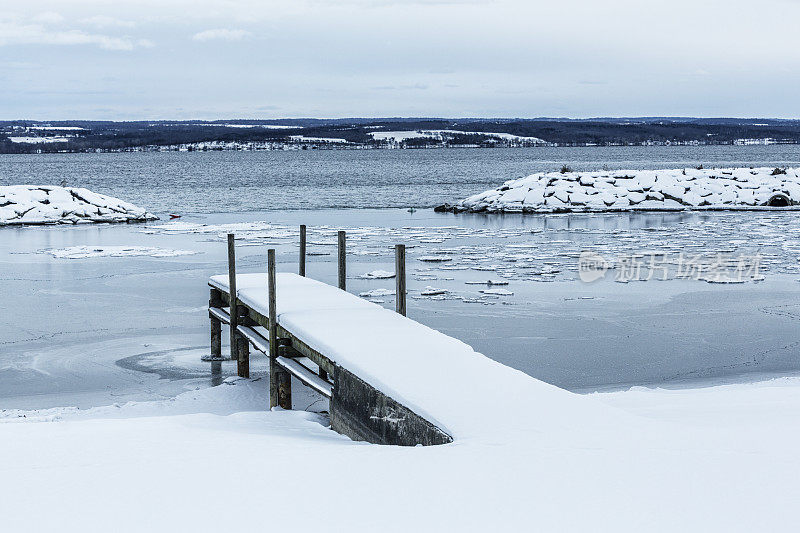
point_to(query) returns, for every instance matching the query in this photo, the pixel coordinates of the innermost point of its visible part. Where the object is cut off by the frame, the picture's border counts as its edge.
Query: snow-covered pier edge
(724, 189)
(22, 205)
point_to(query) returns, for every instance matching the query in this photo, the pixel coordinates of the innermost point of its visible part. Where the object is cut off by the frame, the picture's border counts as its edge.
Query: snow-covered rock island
(627, 190)
(35, 204)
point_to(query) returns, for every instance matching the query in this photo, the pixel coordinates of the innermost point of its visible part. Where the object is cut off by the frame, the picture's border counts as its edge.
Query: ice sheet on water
(85, 252)
(546, 248)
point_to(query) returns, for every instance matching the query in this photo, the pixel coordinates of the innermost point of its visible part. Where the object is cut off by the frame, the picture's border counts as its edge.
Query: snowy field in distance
(400, 136)
(36, 140)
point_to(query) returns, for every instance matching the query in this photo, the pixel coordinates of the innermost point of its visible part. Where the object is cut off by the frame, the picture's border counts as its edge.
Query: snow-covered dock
(390, 379)
(45, 204)
(630, 190)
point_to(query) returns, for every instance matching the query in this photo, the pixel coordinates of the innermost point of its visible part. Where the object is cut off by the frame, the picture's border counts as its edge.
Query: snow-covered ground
(34, 204)
(678, 189)
(715, 459)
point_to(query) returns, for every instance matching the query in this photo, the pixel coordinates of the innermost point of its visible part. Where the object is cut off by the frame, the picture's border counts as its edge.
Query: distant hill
(23, 136)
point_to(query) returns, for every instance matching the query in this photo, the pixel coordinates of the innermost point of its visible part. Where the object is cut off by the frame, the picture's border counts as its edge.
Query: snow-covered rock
(34, 204)
(726, 188)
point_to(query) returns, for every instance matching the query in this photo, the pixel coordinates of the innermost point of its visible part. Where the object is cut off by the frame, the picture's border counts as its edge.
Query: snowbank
(33, 204)
(624, 190)
(715, 459)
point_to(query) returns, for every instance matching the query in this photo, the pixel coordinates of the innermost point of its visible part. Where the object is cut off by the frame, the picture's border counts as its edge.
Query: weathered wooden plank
(362, 412)
(259, 343)
(233, 300)
(284, 380)
(342, 261)
(319, 359)
(216, 339)
(243, 364)
(216, 313)
(214, 301)
(302, 268)
(400, 278)
(306, 376)
(274, 369)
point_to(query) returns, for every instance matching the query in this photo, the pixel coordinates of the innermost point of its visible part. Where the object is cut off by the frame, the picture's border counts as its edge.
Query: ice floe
(548, 248)
(85, 252)
(497, 292)
(626, 190)
(433, 291)
(377, 274)
(33, 204)
(376, 293)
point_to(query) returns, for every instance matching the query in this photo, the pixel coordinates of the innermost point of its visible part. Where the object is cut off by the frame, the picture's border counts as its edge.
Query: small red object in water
(172, 217)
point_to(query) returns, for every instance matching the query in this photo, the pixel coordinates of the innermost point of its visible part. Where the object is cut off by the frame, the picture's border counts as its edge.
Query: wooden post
(400, 278)
(274, 369)
(284, 385)
(243, 365)
(215, 300)
(233, 293)
(302, 270)
(342, 262)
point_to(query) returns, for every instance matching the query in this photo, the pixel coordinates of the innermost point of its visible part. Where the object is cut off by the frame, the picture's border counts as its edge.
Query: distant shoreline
(371, 134)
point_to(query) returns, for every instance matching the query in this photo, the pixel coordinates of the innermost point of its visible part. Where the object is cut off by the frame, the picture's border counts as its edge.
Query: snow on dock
(629, 190)
(434, 375)
(34, 204)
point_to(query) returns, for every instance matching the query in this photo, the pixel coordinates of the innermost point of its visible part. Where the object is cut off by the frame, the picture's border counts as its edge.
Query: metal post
(274, 369)
(302, 269)
(342, 262)
(400, 278)
(233, 293)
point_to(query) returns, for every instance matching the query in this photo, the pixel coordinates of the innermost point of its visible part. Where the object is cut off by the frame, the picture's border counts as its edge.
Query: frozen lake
(102, 314)
(95, 315)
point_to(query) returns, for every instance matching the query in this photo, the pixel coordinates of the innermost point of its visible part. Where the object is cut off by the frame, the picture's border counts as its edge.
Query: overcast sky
(148, 59)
